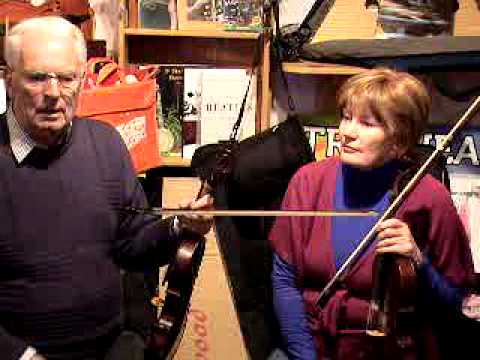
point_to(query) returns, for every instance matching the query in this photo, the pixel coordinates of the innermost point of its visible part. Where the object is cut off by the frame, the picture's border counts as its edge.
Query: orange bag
(131, 109)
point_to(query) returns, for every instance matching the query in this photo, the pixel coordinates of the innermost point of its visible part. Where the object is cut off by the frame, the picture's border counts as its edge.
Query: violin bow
(157, 211)
(396, 203)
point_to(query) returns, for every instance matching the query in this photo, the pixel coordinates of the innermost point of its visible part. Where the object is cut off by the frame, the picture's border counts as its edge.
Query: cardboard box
(212, 329)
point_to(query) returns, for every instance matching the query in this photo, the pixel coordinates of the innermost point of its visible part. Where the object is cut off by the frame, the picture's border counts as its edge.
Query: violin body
(392, 307)
(167, 331)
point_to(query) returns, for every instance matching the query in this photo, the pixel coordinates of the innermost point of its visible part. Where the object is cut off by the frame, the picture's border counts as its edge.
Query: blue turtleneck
(358, 189)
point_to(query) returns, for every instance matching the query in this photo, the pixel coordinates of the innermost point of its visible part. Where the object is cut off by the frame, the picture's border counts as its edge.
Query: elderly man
(62, 183)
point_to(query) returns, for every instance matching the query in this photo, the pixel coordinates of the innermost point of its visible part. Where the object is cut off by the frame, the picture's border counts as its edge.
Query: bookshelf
(216, 48)
(223, 49)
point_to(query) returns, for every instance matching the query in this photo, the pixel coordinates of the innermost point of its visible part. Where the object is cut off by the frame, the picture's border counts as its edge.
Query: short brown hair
(397, 99)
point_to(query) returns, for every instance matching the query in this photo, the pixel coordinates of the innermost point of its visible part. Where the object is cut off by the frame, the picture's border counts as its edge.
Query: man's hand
(395, 237)
(200, 224)
(37, 357)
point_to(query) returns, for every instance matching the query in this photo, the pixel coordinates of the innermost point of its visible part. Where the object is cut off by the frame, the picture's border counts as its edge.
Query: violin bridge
(157, 301)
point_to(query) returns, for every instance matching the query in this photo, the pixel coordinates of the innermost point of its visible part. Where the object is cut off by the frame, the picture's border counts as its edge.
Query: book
(170, 82)
(222, 92)
(235, 15)
(157, 14)
(192, 96)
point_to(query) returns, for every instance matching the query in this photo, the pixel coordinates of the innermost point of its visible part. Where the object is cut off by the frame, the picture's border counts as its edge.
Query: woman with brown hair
(383, 113)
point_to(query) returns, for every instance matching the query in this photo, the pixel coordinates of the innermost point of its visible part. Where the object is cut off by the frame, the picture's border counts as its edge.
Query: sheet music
(294, 11)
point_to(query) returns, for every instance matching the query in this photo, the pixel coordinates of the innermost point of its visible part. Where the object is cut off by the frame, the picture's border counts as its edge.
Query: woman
(383, 113)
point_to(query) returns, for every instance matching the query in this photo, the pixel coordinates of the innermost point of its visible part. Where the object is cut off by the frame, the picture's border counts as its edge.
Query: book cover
(170, 82)
(157, 14)
(192, 96)
(235, 15)
(222, 93)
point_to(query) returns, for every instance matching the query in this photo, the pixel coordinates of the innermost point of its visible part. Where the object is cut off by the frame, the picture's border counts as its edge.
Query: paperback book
(170, 82)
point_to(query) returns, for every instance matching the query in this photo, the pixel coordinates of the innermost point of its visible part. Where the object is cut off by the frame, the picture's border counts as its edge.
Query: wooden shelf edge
(314, 68)
(175, 161)
(193, 33)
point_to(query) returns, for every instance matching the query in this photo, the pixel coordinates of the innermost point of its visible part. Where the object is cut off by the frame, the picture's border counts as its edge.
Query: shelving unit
(212, 48)
(215, 48)
(313, 68)
(223, 49)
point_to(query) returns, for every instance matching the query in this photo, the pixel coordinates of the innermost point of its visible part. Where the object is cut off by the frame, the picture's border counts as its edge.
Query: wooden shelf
(212, 48)
(216, 34)
(175, 161)
(313, 68)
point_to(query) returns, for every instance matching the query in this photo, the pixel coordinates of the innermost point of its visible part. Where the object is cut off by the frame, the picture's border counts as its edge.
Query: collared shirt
(20, 142)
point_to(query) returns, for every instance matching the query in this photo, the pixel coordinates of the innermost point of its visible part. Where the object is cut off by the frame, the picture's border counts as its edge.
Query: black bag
(260, 166)
(259, 169)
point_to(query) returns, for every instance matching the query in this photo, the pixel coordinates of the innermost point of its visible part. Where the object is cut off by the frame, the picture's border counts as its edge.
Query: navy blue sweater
(62, 239)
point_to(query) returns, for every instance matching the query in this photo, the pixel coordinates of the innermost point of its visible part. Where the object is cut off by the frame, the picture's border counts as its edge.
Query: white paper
(466, 196)
(293, 12)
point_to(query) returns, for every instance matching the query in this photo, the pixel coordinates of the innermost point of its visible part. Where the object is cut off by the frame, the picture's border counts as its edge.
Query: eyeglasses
(39, 79)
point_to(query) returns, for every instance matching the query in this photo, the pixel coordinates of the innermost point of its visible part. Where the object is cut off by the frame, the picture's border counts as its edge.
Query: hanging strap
(236, 126)
(278, 55)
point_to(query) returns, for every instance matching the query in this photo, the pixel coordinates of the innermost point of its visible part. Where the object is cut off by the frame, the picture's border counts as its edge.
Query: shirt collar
(20, 143)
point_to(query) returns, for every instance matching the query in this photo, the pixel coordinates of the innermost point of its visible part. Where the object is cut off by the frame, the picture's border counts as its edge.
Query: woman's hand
(200, 224)
(395, 237)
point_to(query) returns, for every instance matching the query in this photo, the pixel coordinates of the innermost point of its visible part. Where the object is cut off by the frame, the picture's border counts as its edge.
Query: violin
(172, 311)
(393, 296)
(391, 309)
